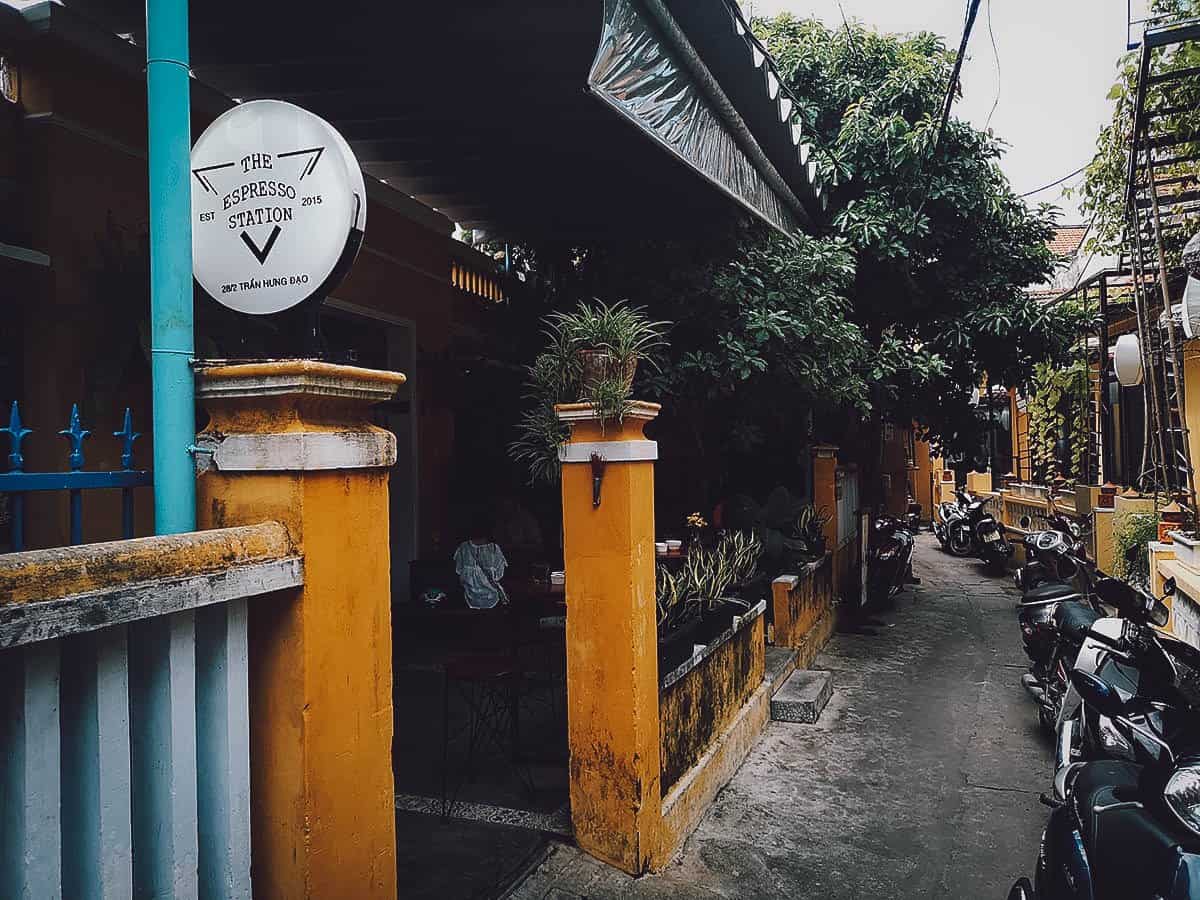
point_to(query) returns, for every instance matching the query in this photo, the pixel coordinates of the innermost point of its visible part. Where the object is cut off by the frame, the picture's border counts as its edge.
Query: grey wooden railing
(124, 748)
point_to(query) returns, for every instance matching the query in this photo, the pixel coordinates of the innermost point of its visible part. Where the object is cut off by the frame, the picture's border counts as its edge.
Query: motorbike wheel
(1022, 890)
(997, 564)
(958, 545)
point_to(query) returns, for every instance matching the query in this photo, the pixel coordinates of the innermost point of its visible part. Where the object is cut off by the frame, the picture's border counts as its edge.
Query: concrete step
(780, 663)
(802, 696)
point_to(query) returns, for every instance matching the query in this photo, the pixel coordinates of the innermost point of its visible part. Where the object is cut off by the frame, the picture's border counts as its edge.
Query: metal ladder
(1162, 200)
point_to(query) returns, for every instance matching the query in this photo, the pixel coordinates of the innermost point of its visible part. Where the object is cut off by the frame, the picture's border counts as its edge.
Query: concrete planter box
(802, 606)
(704, 695)
(1187, 550)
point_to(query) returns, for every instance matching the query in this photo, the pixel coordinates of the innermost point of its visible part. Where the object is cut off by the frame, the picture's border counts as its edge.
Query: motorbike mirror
(1025, 521)
(1097, 692)
(1169, 587)
(1160, 615)
(1132, 552)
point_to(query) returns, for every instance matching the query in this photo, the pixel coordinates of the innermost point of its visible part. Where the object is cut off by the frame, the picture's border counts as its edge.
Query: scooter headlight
(1182, 794)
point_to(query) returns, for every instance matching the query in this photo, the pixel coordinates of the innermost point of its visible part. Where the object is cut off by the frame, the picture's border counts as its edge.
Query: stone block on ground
(802, 697)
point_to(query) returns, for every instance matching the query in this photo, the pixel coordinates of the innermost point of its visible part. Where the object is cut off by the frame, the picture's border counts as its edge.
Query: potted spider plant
(678, 619)
(592, 355)
(719, 576)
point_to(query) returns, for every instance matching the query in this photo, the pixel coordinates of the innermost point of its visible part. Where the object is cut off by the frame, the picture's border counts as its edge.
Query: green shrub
(1134, 530)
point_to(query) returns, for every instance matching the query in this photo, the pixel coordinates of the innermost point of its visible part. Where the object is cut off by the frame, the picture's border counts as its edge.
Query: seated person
(480, 565)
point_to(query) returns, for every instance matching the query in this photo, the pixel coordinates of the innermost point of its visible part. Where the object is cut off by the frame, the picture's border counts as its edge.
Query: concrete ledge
(38, 575)
(778, 664)
(802, 697)
(274, 377)
(28, 623)
(707, 650)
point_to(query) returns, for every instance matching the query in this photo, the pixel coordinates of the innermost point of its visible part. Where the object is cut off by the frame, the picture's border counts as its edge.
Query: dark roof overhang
(491, 111)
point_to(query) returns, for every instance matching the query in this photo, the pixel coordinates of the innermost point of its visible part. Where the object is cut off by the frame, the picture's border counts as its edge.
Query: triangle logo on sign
(261, 253)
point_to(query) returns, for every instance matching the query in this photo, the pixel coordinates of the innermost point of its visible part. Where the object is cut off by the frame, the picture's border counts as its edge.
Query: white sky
(1058, 59)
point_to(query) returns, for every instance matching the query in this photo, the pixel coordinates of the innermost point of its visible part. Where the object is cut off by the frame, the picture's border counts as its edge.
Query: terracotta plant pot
(598, 365)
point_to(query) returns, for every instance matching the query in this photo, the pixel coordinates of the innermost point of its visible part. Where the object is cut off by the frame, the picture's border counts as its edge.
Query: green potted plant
(678, 618)
(810, 528)
(592, 355)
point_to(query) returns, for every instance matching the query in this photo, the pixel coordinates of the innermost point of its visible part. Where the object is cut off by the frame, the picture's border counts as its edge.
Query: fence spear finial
(75, 433)
(16, 434)
(127, 436)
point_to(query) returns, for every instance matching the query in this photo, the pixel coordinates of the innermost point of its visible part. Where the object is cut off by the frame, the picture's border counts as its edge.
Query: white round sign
(278, 207)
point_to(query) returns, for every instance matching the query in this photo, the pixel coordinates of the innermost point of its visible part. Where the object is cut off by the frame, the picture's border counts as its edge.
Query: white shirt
(480, 568)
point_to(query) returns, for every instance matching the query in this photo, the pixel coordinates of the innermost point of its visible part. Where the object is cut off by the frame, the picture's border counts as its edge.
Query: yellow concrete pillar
(612, 637)
(979, 482)
(290, 441)
(924, 478)
(825, 500)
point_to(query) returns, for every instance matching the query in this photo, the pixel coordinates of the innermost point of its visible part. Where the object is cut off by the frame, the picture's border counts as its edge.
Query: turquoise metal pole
(172, 346)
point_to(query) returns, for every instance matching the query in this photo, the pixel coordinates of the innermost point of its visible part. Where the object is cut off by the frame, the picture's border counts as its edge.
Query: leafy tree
(907, 291)
(943, 247)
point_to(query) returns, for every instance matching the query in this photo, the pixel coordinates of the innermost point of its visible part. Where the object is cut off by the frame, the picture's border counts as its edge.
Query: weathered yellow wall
(612, 654)
(799, 606)
(700, 705)
(323, 812)
(684, 806)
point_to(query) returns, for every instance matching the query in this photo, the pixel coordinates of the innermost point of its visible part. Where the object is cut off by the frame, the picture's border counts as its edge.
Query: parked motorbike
(912, 518)
(1130, 828)
(889, 562)
(1054, 617)
(947, 513)
(1042, 566)
(1085, 733)
(975, 532)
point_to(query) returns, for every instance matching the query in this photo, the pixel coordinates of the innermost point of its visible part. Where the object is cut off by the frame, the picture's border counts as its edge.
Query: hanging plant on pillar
(592, 355)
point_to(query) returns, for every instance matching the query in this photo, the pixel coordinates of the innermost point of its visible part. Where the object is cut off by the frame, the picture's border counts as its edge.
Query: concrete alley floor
(921, 779)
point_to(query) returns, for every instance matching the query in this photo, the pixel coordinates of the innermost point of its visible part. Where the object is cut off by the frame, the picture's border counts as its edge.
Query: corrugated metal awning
(489, 111)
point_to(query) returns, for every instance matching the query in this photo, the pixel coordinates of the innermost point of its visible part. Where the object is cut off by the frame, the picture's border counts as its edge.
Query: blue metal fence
(16, 482)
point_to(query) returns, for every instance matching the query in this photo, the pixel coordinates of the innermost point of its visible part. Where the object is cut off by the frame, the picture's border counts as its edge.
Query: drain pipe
(169, 132)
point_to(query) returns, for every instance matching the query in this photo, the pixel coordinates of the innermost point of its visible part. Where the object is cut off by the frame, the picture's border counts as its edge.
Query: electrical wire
(996, 53)
(1046, 187)
(952, 88)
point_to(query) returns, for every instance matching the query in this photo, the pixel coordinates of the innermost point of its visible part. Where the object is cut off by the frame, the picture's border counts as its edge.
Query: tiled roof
(1066, 241)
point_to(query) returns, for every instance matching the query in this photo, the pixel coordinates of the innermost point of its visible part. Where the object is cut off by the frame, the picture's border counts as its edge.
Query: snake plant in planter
(592, 355)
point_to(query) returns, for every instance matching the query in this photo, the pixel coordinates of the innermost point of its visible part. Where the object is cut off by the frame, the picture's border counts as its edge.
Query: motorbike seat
(1116, 826)
(1074, 619)
(1051, 590)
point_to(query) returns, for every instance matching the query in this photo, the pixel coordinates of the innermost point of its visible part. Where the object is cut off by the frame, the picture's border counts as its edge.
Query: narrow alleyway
(920, 781)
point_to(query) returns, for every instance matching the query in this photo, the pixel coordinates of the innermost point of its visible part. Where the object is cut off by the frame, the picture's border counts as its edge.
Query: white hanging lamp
(1127, 360)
